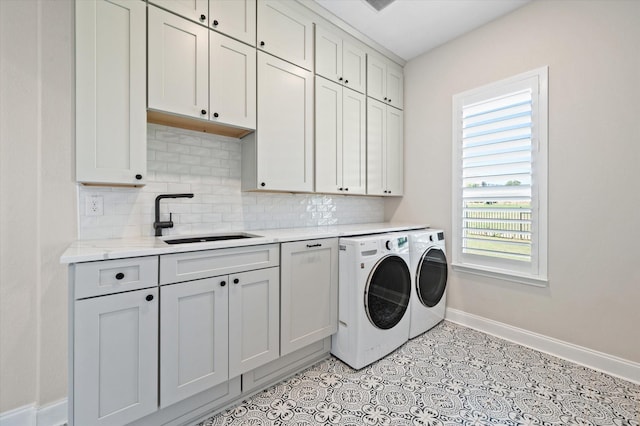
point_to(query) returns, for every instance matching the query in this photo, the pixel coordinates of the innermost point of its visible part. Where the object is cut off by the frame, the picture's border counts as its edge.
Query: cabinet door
(395, 85)
(353, 156)
(285, 33)
(115, 358)
(235, 18)
(376, 77)
(328, 55)
(196, 10)
(285, 126)
(328, 136)
(111, 122)
(254, 321)
(178, 65)
(376, 150)
(394, 151)
(309, 292)
(194, 338)
(354, 66)
(232, 81)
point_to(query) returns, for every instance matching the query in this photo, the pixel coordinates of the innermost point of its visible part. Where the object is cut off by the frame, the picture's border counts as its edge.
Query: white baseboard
(48, 415)
(606, 363)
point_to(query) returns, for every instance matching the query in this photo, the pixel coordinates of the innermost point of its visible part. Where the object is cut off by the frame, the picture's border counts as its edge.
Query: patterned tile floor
(450, 375)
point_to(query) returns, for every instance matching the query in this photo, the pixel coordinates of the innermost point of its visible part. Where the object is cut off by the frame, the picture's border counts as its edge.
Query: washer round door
(386, 295)
(431, 277)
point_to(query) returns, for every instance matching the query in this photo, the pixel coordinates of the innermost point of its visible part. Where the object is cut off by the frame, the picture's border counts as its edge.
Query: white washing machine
(428, 278)
(373, 298)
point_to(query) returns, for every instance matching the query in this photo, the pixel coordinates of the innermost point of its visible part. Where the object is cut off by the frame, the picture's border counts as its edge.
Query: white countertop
(118, 248)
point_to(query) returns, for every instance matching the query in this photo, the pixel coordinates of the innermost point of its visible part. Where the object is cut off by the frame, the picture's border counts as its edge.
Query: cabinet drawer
(210, 263)
(115, 276)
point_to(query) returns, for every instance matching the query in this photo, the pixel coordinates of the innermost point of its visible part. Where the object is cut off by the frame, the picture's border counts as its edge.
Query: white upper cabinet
(178, 56)
(232, 69)
(384, 149)
(235, 18)
(339, 59)
(282, 152)
(111, 128)
(385, 81)
(340, 139)
(196, 10)
(285, 32)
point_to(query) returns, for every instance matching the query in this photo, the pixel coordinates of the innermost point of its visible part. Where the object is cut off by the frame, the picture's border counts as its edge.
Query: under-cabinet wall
(209, 166)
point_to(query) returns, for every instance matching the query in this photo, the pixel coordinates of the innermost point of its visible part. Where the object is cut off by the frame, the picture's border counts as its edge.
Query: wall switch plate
(94, 205)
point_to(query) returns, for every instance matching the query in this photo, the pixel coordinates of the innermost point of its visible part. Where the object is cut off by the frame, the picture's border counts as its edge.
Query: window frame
(535, 272)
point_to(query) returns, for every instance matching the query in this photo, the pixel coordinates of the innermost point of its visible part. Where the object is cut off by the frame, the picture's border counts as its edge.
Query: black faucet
(157, 225)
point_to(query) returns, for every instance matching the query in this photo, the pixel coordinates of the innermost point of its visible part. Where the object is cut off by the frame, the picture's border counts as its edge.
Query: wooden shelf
(189, 123)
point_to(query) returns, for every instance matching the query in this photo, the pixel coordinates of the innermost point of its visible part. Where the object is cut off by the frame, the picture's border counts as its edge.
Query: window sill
(501, 274)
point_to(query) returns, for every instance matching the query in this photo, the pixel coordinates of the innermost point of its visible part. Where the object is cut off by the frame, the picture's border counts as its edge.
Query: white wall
(592, 51)
(209, 166)
(37, 203)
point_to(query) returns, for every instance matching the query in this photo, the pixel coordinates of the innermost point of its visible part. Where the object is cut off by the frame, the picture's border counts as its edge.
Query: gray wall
(38, 198)
(592, 51)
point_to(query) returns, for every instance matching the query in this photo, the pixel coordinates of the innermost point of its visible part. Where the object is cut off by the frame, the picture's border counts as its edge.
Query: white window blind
(496, 177)
(500, 178)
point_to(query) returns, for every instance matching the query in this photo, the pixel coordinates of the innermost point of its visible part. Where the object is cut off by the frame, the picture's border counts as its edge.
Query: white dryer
(428, 278)
(373, 298)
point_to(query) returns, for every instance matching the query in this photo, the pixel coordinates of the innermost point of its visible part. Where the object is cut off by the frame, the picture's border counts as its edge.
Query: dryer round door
(386, 295)
(431, 277)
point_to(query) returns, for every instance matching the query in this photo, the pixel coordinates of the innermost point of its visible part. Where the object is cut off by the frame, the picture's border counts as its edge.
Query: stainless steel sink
(205, 238)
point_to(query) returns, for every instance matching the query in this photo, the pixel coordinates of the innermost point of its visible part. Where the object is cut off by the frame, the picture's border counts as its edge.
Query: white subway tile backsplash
(180, 161)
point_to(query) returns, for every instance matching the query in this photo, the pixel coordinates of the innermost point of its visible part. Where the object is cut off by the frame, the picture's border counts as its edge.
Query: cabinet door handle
(203, 18)
(340, 189)
(346, 189)
(216, 115)
(119, 276)
(203, 112)
(139, 176)
(215, 22)
(223, 283)
(346, 82)
(236, 281)
(149, 297)
(385, 98)
(263, 184)
(262, 43)
(314, 245)
(389, 99)
(340, 79)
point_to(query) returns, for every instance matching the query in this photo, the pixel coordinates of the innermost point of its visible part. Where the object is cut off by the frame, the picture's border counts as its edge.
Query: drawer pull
(119, 276)
(314, 245)
(149, 297)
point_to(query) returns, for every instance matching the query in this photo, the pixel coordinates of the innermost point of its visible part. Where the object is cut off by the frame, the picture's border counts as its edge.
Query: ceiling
(409, 28)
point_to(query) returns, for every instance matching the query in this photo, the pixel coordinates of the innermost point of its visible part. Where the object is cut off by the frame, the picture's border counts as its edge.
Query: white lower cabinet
(214, 328)
(207, 322)
(254, 322)
(194, 337)
(115, 360)
(309, 292)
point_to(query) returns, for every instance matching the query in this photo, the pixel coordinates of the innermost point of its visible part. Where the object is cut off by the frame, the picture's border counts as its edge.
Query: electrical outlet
(94, 205)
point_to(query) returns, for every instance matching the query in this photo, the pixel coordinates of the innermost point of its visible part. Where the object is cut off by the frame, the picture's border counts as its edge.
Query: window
(500, 179)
